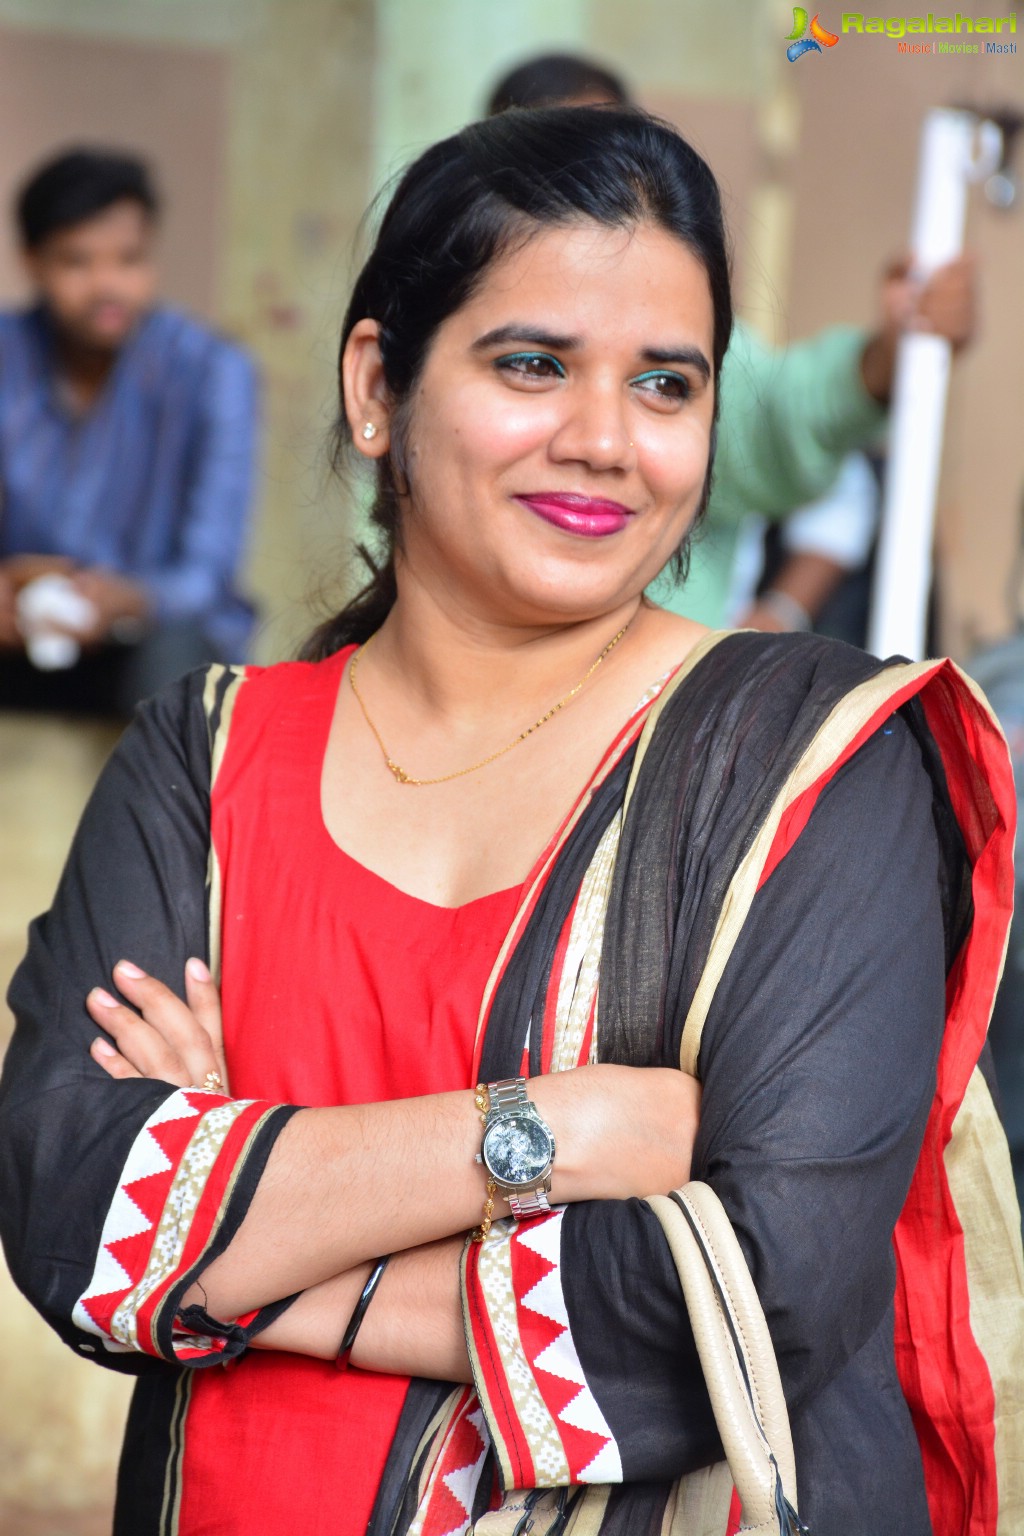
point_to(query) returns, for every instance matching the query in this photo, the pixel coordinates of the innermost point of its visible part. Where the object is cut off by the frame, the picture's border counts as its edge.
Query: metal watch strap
(510, 1093)
(534, 1203)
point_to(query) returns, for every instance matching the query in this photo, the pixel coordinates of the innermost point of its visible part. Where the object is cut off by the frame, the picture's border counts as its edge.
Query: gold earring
(369, 431)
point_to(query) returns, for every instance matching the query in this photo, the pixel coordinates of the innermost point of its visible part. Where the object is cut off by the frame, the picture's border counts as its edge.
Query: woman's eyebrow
(520, 334)
(528, 335)
(688, 356)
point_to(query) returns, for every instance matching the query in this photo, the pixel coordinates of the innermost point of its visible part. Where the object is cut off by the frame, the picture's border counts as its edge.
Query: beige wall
(162, 101)
(60, 1418)
(299, 175)
(709, 68)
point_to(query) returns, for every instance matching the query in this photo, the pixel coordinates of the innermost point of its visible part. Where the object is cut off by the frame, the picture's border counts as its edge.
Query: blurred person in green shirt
(790, 415)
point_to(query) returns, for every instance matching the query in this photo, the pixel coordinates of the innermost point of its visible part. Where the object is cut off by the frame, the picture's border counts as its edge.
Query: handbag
(738, 1361)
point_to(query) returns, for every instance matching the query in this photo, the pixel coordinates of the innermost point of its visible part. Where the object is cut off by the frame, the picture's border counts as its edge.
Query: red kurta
(386, 989)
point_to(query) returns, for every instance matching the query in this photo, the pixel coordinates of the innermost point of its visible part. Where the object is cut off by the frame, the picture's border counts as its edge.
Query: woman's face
(559, 435)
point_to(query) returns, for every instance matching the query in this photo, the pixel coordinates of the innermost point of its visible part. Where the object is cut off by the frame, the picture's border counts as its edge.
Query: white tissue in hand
(44, 603)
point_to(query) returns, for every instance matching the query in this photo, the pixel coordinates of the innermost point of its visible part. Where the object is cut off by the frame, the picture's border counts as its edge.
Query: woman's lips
(579, 514)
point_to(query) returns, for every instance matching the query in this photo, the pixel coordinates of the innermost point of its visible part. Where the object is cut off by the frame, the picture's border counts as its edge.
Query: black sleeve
(818, 1063)
(135, 887)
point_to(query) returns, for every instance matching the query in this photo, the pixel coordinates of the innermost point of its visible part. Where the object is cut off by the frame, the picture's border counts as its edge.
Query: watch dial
(517, 1149)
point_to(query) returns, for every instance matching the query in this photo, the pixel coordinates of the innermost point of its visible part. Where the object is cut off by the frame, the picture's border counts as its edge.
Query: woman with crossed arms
(508, 847)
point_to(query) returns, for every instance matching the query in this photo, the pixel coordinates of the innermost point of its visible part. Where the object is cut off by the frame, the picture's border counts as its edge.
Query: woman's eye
(531, 365)
(666, 386)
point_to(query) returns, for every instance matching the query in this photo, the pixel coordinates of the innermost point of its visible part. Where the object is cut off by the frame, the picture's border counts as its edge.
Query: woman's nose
(595, 431)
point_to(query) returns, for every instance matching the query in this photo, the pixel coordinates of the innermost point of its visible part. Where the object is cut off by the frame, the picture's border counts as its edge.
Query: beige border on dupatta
(519, 921)
(697, 654)
(849, 717)
(980, 1176)
(434, 1441)
(981, 1184)
(576, 993)
(588, 1516)
(700, 1503)
(171, 1510)
(704, 646)
(578, 983)
(218, 746)
(546, 1450)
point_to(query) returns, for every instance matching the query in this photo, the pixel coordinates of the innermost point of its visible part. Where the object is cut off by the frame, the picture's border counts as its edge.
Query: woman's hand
(160, 1036)
(620, 1131)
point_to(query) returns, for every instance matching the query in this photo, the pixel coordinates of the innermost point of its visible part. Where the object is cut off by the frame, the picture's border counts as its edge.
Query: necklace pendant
(399, 773)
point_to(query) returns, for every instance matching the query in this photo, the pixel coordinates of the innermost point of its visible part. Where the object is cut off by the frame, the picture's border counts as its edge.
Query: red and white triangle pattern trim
(447, 1506)
(590, 1447)
(130, 1227)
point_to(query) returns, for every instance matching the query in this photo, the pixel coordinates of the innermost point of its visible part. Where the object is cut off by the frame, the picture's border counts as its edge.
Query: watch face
(518, 1149)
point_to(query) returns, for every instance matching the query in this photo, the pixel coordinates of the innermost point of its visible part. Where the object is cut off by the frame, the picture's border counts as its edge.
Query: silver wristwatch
(518, 1148)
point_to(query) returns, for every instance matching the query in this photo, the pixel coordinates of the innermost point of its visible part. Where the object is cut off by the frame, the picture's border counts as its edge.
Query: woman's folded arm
(109, 1191)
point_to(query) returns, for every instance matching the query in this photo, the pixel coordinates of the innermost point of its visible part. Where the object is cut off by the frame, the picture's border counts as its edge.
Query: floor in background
(60, 1418)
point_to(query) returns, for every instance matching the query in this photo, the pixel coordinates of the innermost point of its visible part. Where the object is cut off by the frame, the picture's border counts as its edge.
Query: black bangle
(359, 1312)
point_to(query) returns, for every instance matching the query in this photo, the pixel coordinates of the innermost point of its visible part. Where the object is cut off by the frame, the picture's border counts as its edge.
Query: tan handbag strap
(736, 1354)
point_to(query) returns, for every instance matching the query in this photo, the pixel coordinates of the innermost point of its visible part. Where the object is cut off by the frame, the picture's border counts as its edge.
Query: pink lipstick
(590, 517)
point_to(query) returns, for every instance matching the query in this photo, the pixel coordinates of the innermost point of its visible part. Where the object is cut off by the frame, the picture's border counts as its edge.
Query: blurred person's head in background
(87, 223)
(557, 80)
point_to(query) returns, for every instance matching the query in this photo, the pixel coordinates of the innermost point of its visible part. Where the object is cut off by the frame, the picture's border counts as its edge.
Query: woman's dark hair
(551, 78)
(467, 201)
(76, 186)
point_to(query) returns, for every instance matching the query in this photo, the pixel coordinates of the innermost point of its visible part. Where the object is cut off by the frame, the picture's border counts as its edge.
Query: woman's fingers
(203, 997)
(144, 1048)
(172, 1019)
(172, 1040)
(111, 1060)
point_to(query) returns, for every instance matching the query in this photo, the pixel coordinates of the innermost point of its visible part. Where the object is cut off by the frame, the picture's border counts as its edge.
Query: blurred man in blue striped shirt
(127, 447)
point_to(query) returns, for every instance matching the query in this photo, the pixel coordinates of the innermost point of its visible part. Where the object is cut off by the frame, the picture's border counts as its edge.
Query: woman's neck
(456, 666)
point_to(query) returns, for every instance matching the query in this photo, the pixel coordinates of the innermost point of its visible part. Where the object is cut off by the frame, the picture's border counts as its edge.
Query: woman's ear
(365, 391)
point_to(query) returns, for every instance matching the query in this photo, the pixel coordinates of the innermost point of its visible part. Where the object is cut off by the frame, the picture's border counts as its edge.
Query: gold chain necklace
(407, 778)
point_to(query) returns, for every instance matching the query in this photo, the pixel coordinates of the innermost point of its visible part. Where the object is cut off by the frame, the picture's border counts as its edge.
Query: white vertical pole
(904, 564)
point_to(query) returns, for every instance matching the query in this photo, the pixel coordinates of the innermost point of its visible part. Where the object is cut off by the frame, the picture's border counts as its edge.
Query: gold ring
(213, 1082)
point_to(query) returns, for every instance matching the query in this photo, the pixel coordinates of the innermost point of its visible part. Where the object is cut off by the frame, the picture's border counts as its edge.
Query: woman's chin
(564, 596)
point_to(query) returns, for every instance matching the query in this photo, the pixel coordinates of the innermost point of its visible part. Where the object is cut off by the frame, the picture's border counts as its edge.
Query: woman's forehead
(586, 275)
